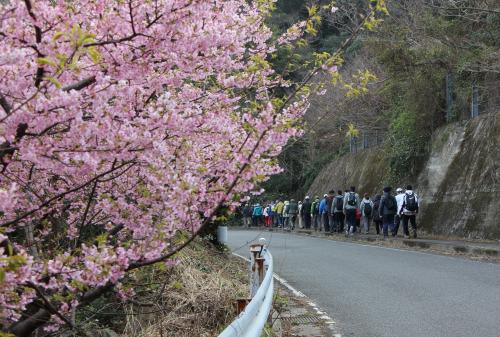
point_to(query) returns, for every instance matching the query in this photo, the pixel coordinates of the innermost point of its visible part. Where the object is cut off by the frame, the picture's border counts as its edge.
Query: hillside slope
(459, 184)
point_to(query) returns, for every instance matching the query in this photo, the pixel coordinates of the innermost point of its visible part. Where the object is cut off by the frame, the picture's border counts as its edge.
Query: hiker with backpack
(247, 215)
(267, 215)
(338, 212)
(329, 201)
(279, 213)
(397, 218)
(257, 215)
(351, 204)
(315, 213)
(293, 210)
(409, 211)
(387, 210)
(377, 220)
(323, 213)
(306, 212)
(366, 212)
(300, 218)
(286, 215)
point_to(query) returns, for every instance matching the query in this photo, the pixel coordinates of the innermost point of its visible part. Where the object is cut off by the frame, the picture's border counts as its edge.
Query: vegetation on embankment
(193, 297)
(428, 58)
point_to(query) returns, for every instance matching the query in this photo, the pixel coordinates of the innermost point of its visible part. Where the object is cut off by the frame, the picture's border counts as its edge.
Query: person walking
(329, 201)
(323, 213)
(279, 213)
(315, 213)
(267, 215)
(338, 211)
(257, 215)
(273, 213)
(351, 204)
(293, 210)
(397, 217)
(366, 212)
(300, 217)
(247, 215)
(377, 220)
(306, 212)
(286, 215)
(409, 211)
(387, 210)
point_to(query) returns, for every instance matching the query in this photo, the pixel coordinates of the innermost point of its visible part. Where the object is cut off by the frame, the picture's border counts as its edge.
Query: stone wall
(459, 184)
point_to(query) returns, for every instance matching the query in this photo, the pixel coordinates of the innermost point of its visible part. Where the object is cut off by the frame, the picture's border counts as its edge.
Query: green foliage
(406, 146)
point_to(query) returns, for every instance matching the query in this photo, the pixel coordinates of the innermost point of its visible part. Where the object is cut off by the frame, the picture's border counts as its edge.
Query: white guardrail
(251, 321)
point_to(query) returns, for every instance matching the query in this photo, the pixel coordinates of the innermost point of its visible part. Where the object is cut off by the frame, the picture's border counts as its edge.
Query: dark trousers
(338, 221)
(333, 225)
(326, 223)
(413, 221)
(388, 221)
(350, 219)
(315, 221)
(378, 225)
(257, 220)
(395, 226)
(307, 221)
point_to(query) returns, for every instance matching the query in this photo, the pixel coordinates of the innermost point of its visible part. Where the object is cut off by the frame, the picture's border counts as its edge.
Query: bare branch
(4, 104)
(81, 84)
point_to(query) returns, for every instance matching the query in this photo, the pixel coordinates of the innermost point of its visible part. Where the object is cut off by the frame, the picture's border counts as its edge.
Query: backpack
(351, 199)
(368, 209)
(390, 203)
(411, 202)
(316, 208)
(340, 203)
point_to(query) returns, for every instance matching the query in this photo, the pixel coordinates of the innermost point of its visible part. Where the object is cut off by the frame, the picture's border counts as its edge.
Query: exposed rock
(458, 184)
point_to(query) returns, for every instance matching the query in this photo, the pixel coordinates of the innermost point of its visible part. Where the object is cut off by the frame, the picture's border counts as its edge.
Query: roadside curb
(482, 251)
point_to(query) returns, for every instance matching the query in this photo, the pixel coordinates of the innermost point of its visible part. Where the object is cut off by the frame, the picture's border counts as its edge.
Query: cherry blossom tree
(123, 122)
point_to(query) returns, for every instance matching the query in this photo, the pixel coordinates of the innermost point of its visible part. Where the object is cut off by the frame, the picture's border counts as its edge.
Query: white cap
(307, 197)
(399, 189)
(325, 195)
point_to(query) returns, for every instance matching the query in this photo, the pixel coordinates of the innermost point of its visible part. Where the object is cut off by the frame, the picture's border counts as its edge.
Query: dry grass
(194, 298)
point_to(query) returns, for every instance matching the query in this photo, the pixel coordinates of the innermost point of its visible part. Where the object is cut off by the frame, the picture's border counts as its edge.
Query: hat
(399, 189)
(307, 197)
(325, 195)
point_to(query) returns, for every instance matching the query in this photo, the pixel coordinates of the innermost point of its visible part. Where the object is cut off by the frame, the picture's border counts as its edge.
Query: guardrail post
(255, 251)
(251, 321)
(260, 269)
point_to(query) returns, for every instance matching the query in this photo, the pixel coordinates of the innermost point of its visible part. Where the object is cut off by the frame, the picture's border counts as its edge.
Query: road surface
(381, 292)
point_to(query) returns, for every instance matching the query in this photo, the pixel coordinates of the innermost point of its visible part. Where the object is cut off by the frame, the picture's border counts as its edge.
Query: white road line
(327, 319)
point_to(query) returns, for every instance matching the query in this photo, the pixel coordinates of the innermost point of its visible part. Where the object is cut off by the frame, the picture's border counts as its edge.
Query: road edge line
(322, 314)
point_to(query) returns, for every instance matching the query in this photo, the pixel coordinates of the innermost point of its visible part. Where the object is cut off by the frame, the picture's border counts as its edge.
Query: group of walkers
(341, 212)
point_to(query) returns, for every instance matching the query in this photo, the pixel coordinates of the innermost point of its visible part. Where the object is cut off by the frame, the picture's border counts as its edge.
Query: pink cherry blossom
(122, 123)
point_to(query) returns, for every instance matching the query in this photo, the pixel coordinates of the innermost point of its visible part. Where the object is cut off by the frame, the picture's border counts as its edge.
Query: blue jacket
(322, 206)
(257, 210)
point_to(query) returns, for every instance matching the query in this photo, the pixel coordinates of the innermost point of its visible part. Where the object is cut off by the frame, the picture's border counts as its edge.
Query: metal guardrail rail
(251, 321)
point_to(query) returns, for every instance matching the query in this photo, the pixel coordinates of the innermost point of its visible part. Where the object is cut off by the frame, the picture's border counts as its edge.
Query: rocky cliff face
(459, 185)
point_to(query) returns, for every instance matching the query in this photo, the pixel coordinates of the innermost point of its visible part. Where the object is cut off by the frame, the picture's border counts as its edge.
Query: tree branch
(80, 85)
(60, 195)
(4, 104)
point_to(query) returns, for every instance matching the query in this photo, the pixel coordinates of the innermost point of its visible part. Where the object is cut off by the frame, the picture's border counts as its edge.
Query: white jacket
(400, 198)
(417, 199)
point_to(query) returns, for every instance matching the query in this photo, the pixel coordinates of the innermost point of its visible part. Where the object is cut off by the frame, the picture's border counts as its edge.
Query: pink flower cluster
(121, 123)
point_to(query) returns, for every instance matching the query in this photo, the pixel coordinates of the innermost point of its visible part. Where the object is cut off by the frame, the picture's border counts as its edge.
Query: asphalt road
(382, 292)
